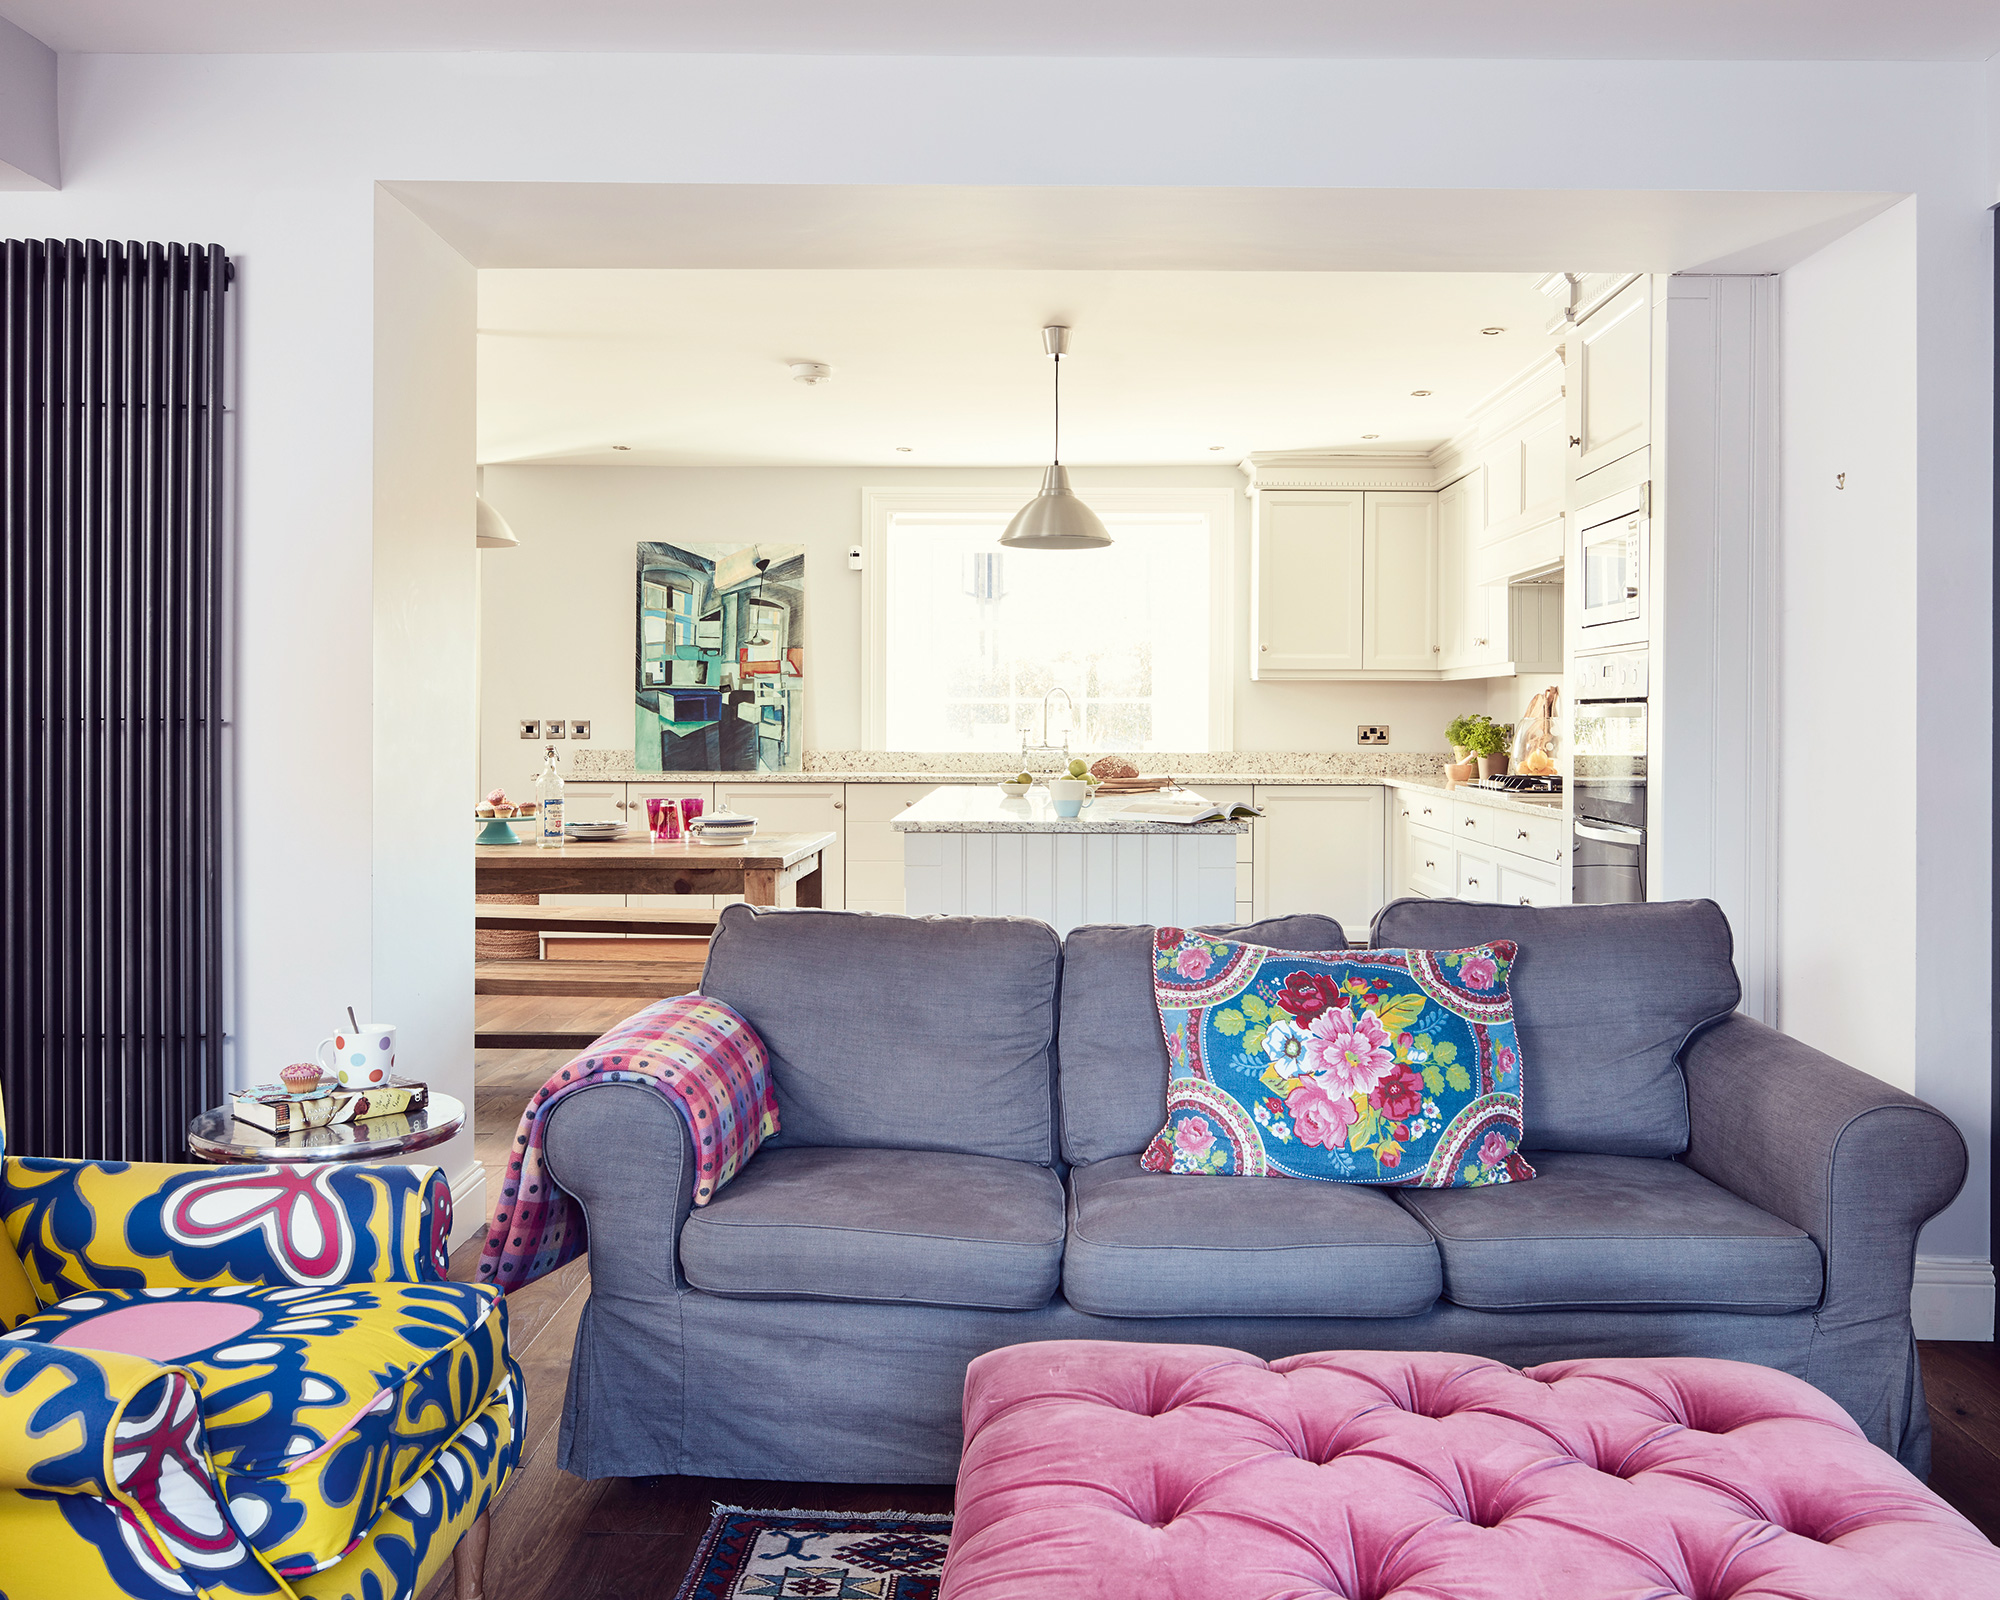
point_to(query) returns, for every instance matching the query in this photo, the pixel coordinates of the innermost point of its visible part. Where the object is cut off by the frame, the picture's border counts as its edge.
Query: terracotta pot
(1492, 766)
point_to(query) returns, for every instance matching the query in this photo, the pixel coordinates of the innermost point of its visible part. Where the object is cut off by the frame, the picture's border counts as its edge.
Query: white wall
(1848, 669)
(28, 141)
(556, 613)
(424, 756)
(276, 158)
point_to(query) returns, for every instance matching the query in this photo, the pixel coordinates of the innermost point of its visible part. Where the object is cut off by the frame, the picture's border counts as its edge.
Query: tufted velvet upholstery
(1186, 1472)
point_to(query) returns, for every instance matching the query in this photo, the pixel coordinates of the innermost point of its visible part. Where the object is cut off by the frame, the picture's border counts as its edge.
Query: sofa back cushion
(1604, 998)
(911, 1033)
(1113, 1086)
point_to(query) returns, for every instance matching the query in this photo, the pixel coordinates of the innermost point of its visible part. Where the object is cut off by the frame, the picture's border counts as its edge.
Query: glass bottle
(549, 802)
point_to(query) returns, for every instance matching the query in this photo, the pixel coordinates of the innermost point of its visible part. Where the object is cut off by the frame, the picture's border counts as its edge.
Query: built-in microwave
(1614, 557)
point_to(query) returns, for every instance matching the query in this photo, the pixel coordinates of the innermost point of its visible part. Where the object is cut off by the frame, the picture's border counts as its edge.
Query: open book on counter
(1184, 807)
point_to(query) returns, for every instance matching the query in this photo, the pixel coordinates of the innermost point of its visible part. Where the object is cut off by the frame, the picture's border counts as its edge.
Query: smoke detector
(810, 372)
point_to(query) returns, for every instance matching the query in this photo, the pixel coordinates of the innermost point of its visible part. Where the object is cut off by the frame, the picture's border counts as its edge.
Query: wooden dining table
(770, 869)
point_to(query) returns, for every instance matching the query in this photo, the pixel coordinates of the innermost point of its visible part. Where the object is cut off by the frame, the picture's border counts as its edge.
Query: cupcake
(300, 1075)
(486, 809)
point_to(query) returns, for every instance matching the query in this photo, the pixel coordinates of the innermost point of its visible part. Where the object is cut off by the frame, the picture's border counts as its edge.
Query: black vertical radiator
(114, 638)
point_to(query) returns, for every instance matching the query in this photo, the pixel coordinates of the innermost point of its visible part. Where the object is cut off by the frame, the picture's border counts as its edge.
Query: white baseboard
(468, 1208)
(1952, 1298)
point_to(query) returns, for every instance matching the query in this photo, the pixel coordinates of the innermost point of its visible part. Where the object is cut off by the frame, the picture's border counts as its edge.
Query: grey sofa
(964, 1103)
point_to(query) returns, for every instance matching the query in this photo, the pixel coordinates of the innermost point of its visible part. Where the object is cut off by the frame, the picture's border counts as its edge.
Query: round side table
(217, 1136)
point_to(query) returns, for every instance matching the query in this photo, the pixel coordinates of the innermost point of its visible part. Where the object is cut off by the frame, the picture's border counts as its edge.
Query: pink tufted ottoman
(1099, 1471)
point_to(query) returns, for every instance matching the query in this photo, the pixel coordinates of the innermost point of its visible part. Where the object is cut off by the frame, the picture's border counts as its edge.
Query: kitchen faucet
(1045, 748)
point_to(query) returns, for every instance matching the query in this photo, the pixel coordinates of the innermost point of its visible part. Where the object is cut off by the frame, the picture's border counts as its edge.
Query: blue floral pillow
(1353, 1066)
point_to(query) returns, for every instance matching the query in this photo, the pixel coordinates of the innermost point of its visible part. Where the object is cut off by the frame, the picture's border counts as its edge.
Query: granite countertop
(979, 808)
(1214, 769)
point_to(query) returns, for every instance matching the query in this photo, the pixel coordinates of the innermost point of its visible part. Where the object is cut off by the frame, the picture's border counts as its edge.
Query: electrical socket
(579, 730)
(554, 727)
(530, 728)
(1371, 733)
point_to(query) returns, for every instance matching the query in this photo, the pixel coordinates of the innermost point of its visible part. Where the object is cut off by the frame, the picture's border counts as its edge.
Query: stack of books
(275, 1109)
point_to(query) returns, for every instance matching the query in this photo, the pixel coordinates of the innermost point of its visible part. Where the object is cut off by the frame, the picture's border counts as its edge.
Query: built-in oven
(1607, 782)
(1614, 557)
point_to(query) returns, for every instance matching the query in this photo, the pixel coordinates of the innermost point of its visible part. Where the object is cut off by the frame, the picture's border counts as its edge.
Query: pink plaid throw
(706, 1060)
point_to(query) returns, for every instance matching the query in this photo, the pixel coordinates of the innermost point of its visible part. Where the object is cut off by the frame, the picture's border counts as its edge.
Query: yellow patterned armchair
(238, 1381)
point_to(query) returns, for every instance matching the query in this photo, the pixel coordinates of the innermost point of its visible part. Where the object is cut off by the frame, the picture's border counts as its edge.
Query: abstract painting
(721, 658)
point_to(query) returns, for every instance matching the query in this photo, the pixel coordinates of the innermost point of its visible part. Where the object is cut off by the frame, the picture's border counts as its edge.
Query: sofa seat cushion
(1157, 1244)
(321, 1406)
(915, 1227)
(1631, 1232)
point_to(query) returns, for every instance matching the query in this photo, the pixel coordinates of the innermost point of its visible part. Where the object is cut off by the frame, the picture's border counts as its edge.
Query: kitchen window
(968, 639)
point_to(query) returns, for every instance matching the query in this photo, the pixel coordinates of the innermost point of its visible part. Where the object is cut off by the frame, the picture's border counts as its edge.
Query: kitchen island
(972, 850)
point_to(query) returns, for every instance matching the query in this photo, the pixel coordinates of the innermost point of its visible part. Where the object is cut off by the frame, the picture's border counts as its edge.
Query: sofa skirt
(843, 1392)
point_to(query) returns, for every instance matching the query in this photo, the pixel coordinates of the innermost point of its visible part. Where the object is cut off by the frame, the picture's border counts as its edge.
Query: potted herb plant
(1458, 734)
(1490, 743)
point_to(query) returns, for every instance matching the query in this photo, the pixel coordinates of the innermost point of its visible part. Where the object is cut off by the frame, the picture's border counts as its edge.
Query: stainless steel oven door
(1607, 863)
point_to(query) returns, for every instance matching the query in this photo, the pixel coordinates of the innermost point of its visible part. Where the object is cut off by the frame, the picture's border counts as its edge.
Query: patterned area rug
(818, 1555)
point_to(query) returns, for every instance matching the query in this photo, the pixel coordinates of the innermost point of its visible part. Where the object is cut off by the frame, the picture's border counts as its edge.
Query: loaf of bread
(1113, 767)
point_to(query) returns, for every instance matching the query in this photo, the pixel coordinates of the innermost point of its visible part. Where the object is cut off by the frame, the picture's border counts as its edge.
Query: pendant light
(1055, 519)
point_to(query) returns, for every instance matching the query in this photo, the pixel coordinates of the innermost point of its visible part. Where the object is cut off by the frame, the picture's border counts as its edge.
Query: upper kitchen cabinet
(1306, 584)
(1399, 573)
(1610, 399)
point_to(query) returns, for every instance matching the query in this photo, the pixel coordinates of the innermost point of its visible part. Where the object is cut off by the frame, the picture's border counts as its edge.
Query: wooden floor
(556, 1537)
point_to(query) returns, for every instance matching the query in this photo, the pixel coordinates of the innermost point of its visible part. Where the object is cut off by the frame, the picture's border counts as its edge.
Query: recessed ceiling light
(902, 449)
(1490, 332)
(621, 447)
(1215, 447)
(1420, 394)
(1371, 436)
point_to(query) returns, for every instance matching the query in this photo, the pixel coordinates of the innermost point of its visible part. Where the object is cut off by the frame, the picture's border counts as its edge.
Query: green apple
(1077, 769)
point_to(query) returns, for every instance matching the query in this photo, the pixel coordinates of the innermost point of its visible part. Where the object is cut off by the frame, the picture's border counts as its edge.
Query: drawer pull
(1472, 883)
(1524, 899)
(1520, 833)
(1472, 822)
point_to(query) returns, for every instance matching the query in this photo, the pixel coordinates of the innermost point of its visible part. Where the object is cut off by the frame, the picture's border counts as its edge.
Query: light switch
(530, 728)
(555, 726)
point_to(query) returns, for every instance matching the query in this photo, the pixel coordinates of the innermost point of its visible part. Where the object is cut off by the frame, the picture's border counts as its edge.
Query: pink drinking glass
(663, 819)
(690, 809)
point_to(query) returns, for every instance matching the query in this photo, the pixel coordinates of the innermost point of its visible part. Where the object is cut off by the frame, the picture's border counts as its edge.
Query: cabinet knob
(1472, 822)
(1575, 443)
(1406, 813)
(1480, 642)
(1472, 883)
(1524, 899)
(836, 806)
(1432, 865)
(1263, 647)
(1520, 833)
(620, 804)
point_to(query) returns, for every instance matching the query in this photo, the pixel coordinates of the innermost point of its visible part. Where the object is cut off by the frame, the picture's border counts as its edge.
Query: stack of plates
(594, 832)
(723, 827)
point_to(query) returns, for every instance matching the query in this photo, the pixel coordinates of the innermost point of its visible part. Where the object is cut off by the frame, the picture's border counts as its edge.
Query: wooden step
(539, 1022)
(699, 922)
(634, 980)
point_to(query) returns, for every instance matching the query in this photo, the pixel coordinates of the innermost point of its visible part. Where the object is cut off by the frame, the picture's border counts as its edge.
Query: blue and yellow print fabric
(84, 1225)
(321, 1407)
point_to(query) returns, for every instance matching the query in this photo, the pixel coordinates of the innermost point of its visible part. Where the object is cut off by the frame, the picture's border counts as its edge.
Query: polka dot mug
(362, 1059)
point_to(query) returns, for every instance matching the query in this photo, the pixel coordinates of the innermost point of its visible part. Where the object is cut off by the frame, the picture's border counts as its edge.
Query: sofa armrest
(126, 1430)
(624, 1153)
(1858, 1165)
(83, 1225)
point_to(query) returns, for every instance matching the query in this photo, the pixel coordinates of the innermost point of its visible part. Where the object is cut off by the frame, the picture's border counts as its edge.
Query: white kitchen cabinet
(1478, 872)
(1610, 381)
(1306, 584)
(873, 854)
(1399, 570)
(1239, 794)
(794, 808)
(1320, 847)
(1524, 883)
(1456, 625)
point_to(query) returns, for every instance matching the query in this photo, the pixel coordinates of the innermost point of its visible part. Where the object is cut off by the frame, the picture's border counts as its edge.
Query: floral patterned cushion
(1351, 1066)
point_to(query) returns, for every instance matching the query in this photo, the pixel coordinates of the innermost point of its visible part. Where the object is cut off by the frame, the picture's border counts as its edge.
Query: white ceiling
(689, 366)
(1918, 30)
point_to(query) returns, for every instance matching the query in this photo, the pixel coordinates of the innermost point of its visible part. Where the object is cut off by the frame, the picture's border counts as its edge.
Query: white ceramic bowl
(1016, 789)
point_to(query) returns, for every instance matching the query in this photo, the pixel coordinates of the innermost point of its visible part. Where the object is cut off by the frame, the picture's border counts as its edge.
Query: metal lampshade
(491, 530)
(1055, 519)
